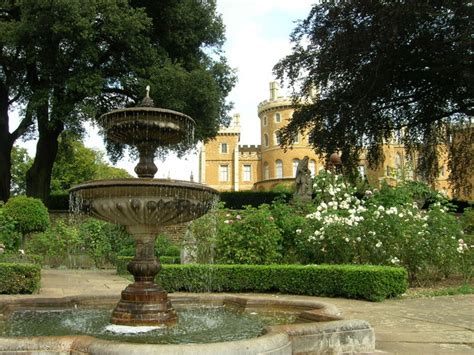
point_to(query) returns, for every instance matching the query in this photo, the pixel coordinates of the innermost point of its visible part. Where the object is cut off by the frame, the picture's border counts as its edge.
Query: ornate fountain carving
(144, 205)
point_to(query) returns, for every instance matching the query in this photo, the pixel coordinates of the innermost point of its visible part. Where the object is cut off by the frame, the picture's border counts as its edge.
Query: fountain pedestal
(144, 302)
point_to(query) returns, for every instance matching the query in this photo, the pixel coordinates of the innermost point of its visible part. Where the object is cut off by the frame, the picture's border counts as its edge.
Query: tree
(380, 67)
(67, 52)
(74, 164)
(79, 59)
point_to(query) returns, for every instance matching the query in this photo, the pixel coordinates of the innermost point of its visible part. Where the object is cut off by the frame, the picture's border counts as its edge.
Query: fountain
(78, 324)
(145, 205)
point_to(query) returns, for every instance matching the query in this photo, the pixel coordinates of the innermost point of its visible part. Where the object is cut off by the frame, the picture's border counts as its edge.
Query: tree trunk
(38, 177)
(6, 145)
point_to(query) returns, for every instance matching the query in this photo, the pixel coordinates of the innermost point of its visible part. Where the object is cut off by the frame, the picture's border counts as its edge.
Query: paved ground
(438, 325)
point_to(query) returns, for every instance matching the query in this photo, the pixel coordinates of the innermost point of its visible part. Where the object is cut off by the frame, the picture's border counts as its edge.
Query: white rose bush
(345, 229)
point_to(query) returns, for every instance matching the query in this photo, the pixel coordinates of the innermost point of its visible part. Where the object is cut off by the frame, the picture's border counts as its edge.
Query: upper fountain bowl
(155, 126)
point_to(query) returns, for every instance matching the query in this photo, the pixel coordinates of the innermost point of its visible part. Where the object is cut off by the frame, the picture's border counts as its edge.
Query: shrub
(19, 258)
(93, 234)
(10, 238)
(29, 214)
(248, 237)
(373, 283)
(56, 243)
(19, 278)
(346, 229)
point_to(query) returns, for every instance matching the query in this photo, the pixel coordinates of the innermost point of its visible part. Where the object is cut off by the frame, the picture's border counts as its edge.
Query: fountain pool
(268, 324)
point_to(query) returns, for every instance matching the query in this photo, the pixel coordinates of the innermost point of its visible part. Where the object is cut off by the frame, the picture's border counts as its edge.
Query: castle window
(277, 136)
(312, 167)
(279, 169)
(223, 173)
(442, 171)
(223, 148)
(277, 117)
(295, 166)
(296, 138)
(361, 170)
(247, 172)
(266, 171)
(264, 120)
(265, 140)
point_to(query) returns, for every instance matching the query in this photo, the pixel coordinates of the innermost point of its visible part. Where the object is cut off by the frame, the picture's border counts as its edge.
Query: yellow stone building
(228, 166)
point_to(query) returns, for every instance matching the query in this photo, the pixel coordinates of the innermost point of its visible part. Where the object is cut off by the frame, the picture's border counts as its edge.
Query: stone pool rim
(324, 329)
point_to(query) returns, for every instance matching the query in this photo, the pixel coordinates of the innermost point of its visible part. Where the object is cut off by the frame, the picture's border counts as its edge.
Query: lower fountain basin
(150, 202)
(313, 327)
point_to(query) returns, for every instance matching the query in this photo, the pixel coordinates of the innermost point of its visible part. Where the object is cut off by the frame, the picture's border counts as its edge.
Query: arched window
(266, 171)
(277, 117)
(277, 137)
(265, 140)
(312, 167)
(278, 169)
(264, 120)
(295, 166)
(296, 138)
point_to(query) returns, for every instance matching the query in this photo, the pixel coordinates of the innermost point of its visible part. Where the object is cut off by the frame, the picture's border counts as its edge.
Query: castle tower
(279, 167)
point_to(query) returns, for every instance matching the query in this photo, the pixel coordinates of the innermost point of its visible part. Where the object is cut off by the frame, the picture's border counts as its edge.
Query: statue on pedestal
(303, 181)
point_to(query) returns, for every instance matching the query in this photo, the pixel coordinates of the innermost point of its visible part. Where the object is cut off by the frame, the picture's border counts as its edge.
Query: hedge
(373, 283)
(19, 278)
(122, 262)
(235, 200)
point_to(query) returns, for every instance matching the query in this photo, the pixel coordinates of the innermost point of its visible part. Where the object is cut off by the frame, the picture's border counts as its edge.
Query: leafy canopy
(381, 67)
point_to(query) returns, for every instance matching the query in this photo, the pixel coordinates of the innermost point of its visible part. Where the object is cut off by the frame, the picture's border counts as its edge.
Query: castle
(226, 165)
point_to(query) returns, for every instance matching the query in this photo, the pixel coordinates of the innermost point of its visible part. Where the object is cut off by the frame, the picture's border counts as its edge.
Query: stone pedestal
(144, 302)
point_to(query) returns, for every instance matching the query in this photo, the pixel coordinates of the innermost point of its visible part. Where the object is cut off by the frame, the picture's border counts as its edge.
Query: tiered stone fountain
(145, 205)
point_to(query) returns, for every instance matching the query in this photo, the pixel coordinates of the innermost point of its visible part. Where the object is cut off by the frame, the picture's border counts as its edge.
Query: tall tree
(12, 91)
(82, 58)
(380, 67)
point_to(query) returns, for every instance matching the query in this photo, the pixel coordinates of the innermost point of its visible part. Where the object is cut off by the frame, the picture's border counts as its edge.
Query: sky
(257, 36)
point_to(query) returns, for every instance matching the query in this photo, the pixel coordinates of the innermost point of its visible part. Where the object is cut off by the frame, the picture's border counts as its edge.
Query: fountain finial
(147, 100)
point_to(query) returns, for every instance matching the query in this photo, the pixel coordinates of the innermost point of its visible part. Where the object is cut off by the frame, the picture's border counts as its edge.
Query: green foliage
(339, 49)
(56, 243)
(373, 283)
(248, 237)
(290, 219)
(19, 258)
(98, 241)
(29, 214)
(200, 237)
(237, 200)
(19, 278)
(346, 229)
(76, 163)
(10, 238)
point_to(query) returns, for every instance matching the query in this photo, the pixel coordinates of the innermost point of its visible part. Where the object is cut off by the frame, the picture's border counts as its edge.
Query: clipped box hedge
(19, 278)
(373, 283)
(122, 262)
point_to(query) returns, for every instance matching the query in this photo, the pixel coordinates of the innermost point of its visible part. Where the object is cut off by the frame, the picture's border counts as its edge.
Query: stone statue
(303, 181)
